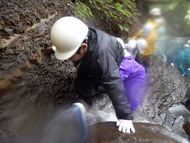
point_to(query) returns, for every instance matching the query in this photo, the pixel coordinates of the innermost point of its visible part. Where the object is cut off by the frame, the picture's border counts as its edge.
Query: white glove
(125, 126)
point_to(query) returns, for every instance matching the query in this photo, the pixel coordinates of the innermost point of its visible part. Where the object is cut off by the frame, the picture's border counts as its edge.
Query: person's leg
(86, 90)
(135, 81)
(135, 90)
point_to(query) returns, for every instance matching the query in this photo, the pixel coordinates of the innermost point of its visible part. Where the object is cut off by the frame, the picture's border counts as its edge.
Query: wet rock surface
(186, 127)
(166, 87)
(145, 133)
(17, 16)
(30, 77)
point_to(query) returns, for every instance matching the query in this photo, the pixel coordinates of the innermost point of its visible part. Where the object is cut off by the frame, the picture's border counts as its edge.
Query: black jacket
(101, 66)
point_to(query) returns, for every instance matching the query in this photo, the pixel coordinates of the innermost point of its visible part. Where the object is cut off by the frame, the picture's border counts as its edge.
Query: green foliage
(115, 15)
(176, 13)
(82, 10)
(119, 14)
(173, 5)
(123, 27)
(185, 5)
(187, 17)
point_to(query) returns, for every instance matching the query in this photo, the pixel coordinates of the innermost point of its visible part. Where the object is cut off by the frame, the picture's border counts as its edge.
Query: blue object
(81, 119)
(67, 126)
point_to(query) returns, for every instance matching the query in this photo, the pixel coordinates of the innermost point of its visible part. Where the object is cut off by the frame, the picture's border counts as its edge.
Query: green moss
(179, 13)
(82, 10)
(187, 17)
(115, 15)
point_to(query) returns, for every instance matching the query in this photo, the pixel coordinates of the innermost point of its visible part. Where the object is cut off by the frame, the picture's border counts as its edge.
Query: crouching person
(98, 57)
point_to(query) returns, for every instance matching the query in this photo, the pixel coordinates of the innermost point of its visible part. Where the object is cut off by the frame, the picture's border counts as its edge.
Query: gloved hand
(125, 126)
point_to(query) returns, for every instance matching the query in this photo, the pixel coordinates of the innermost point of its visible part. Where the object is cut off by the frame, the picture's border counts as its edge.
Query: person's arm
(115, 89)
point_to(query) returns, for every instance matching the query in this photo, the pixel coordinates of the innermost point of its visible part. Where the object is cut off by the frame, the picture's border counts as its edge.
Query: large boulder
(107, 132)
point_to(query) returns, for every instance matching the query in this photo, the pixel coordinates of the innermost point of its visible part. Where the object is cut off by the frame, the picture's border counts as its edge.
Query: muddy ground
(33, 83)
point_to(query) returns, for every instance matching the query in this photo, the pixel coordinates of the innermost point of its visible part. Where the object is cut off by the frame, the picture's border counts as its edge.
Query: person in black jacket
(98, 56)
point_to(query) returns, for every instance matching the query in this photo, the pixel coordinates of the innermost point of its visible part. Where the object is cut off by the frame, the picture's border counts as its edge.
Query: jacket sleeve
(114, 86)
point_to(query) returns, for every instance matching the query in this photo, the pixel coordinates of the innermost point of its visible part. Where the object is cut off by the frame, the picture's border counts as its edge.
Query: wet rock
(47, 51)
(26, 66)
(8, 81)
(20, 15)
(107, 132)
(166, 87)
(36, 58)
(5, 43)
(3, 137)
(186, 127)
(8, 30)
(4, 86)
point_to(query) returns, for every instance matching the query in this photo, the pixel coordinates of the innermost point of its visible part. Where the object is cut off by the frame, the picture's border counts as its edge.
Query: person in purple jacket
(100, 59)
(135, 81)
(134, 77)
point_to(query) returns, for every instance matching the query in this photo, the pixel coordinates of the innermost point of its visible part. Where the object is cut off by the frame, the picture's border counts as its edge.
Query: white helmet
(67, 35)
(155, 12)
(188, 41)
(131, 44)
(186, 45)
(142, 45)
